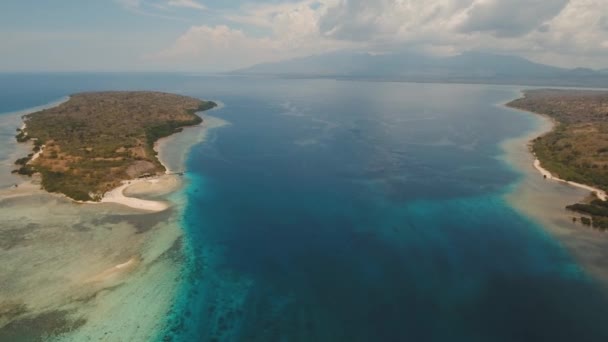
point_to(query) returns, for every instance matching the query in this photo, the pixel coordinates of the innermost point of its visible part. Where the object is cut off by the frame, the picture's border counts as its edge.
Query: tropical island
(92, 143)
(576, 150)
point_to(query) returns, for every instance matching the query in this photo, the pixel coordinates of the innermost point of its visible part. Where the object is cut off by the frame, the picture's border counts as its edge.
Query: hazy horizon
(218, 36)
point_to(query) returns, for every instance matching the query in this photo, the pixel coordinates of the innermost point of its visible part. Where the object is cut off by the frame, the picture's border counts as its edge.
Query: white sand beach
(601, 194)
(117, 196)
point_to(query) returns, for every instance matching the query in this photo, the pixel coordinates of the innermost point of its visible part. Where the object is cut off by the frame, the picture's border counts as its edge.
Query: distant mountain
(469, 67)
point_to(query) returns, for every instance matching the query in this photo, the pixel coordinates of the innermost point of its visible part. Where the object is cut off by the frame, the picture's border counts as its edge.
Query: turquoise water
(357, 211)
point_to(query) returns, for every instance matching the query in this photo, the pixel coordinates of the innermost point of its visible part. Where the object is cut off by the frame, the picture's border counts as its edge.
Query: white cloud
(292, 32)
(510, 18)
(575, 36)
(388, 19)
(187, 4)
(138, 6)
(563, 32)
(218, 47)
(223, 48)
(129, 4)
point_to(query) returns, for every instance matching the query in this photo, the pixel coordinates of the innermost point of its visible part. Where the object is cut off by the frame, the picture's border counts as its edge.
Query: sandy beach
(601, 194)
(117, 196)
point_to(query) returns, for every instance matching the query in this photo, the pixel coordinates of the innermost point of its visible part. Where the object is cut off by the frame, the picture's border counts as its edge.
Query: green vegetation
(586, 221)
(25, 170)
(94, 141)
(596, 209)
(23, 161)
(22, 137)
(577, 149)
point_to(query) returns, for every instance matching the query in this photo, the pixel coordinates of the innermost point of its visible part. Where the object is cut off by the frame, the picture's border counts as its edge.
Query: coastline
(543, 200)
(170, 181)
(10, 147)
(103, 262)
(154, 186)
(601, 194)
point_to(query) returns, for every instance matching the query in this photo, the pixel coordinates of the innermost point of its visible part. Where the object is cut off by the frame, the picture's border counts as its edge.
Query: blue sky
(214, 35)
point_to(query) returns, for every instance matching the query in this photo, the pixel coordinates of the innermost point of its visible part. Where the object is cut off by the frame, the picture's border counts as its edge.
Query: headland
(91, 146)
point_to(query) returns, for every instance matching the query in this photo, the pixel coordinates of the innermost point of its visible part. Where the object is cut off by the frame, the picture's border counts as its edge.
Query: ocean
(356, 211)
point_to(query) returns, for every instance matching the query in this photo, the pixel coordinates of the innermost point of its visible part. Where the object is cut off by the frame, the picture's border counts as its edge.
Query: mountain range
(469, 67)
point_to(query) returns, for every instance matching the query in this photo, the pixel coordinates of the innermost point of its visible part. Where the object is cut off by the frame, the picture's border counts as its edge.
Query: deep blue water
(357, 211)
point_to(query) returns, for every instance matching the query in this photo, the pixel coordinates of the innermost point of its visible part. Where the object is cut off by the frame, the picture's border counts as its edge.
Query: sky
(220, 35)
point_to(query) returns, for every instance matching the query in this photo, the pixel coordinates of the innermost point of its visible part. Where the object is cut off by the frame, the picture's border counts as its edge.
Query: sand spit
(157, 186)
(150, 184)
(114, 271)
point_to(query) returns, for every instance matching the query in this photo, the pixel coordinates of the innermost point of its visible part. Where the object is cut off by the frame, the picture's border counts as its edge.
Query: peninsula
(576, 150)
(95, 141)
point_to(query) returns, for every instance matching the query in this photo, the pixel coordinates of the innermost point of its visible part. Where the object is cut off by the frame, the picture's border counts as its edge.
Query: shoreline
(154, 185)
(117, 196)
(543, 201)
(13, 149)
(209, 122)
(158, 184)
(601, 194)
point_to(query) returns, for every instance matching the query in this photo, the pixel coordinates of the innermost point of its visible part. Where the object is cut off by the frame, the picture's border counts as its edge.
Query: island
(95, 141)
(576, 150)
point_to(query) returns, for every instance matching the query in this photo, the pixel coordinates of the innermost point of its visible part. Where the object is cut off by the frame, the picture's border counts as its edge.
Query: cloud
(563, 32)
(560, 32)
(129, 4)
(216, 48)
(223, 48)
(603, 21)
(154, 7)
(574, 37)
(187, 4)
(149, 9)
(388, 19)
(291, 31)
(510, 18)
